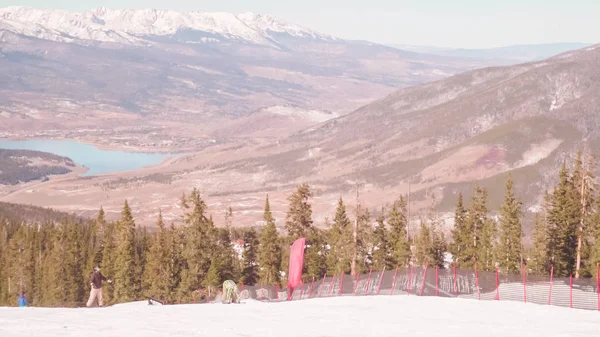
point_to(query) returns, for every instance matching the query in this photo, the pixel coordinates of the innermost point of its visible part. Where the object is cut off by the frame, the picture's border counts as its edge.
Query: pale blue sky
(449, 23)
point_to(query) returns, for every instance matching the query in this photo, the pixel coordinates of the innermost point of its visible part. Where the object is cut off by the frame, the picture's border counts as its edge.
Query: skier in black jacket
(96, 279)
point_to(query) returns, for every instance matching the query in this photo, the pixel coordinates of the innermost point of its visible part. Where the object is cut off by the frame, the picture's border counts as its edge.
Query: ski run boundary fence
(450, 283)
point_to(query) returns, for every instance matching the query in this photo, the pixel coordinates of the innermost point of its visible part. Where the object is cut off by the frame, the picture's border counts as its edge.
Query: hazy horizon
(467, 24)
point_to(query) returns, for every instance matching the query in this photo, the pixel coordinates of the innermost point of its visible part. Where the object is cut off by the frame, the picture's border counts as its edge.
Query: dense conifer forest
(16, 166)
(52, 256)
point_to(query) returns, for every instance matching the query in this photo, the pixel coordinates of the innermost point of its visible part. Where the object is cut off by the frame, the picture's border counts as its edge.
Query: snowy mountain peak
(134, 26)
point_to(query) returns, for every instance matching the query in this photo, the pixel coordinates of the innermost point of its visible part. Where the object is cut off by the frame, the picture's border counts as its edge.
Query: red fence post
(341, 284)
(368, 282)
(436, 281)
(410, 279)
(455, 282)
(477, 282)
(551, 277)
(380, 279)
(312, 286)
(356, 285)
(394, 281)
(331, 285)
(424, 275)
(497, 286)
(321, 287)
(571, 291)
(302, 291)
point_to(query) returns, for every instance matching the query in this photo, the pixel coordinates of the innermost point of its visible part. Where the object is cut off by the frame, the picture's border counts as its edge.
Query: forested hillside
(19, 166)
(52, 259)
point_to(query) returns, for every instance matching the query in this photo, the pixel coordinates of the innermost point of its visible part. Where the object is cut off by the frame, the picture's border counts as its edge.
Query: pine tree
(510, 249)
(439, 248)
(364, 242)
(583, 181)
(340, 239)
(229, 268)
(424, 245)
(156, 271)
(315, 261)
(595, 230)
(299, 217)
(486, 253)
(73, 278)
(461, 235)
(199, 246)
(563, 221)
(269, 251)
(142, 250)
(538, 258)
(97, 245)
(109, 263)
(20, 261)
(3, 262)
(382, 255)
(125, 258)
(56, 268)
(249, 256)
(175, 262)
(481, 231)
(398, 235)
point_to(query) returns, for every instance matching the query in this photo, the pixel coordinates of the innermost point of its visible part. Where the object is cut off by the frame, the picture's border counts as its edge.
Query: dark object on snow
(152, 301)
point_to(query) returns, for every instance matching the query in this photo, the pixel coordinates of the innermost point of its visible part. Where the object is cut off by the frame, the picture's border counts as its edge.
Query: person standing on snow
(96, 279)
(22, 300)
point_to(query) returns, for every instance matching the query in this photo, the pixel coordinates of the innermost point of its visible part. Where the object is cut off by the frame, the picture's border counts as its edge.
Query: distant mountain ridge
(129, 68)
(507, 54)
(137, 27)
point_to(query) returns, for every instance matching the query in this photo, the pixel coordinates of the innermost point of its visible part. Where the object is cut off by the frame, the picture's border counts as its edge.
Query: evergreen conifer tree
(424, 245)
(249, 256)
(595, 229)
(538, 256)
(199, 246)
(73, 278)
(299, 217)
(109, 254)
(269, 251)
(382, 256)
(482, 231)
(156, 272)
(563, 220)
(398, 235)
(340, 240)
(125, 258)
(97, 245)
(461, 235)
(510, 249)
(315, 260)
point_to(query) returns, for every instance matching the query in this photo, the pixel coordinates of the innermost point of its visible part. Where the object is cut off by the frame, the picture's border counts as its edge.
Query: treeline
(16, 166)
(52, 261)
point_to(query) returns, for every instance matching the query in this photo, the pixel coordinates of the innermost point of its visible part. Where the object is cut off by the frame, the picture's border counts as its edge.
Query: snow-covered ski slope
(346, 316)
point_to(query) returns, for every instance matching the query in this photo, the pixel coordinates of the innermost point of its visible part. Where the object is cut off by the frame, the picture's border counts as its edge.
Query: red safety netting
(451, 282)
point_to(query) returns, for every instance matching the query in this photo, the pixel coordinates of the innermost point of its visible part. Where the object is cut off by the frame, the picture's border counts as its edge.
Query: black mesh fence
(459, 283)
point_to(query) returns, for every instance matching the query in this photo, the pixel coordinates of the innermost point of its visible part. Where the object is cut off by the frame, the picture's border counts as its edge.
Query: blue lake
(96, 160)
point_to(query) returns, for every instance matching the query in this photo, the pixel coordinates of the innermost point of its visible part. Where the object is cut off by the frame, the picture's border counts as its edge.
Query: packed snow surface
(376, 316)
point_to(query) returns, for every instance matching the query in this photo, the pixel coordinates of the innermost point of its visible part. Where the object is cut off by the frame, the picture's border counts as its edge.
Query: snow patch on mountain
(267, 24)
(316, 116)
(131, 26)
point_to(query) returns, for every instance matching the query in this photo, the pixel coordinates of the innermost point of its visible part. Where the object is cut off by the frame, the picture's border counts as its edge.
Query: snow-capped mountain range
(138, 27)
